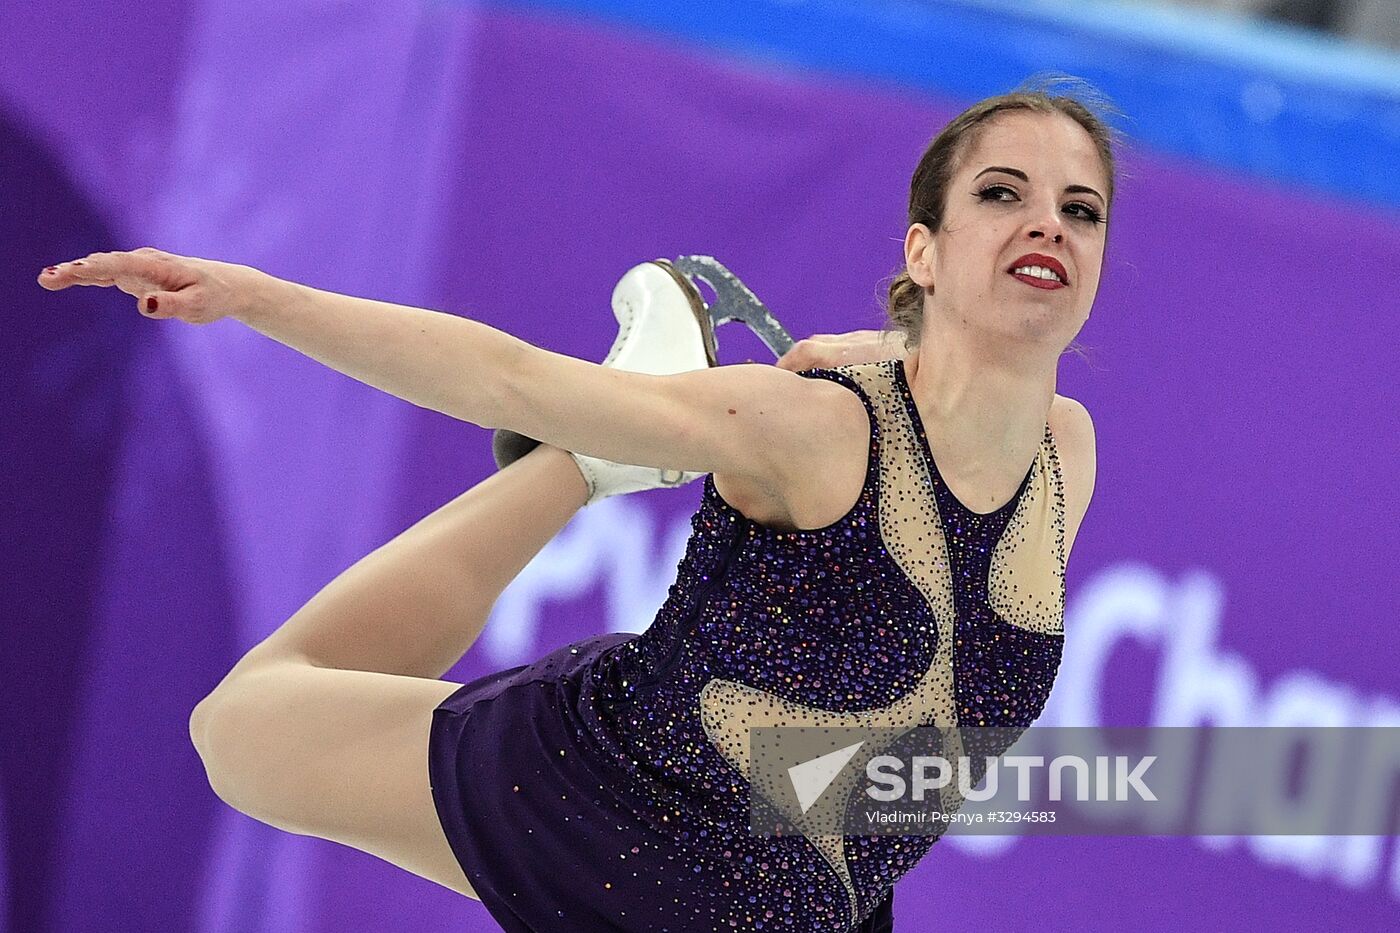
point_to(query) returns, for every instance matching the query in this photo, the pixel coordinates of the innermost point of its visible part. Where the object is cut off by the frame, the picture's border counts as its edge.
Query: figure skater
(880, 542)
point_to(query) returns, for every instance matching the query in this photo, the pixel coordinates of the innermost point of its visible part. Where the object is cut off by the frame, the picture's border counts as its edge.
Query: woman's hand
(197, 291)
(821, 351)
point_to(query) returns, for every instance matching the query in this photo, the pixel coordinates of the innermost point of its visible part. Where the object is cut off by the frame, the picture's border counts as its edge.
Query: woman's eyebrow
(1085, 189)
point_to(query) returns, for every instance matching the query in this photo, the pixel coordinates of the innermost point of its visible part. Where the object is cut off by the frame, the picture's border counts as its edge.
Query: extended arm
(435, 360)
(752, 421)
(712, 420)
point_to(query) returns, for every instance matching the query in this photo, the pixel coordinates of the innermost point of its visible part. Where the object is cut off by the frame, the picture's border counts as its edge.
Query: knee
(228, 735)
(210, 731)
(199, 726)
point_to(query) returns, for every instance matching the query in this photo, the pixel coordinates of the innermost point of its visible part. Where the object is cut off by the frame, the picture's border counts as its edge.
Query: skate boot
(664, 327)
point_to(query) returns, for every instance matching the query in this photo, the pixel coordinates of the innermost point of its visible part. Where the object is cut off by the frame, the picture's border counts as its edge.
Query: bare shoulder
(819, 450)
(1073, 429)
(1068, 416)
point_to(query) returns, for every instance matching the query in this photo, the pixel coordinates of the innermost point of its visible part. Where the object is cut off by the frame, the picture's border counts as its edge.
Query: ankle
(560, 471)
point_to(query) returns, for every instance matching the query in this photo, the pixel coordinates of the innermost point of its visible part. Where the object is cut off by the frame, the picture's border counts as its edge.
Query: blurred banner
(176, 492)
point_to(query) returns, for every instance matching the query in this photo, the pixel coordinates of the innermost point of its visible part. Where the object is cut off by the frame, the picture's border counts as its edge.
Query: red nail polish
(51, 269)
(151, 303)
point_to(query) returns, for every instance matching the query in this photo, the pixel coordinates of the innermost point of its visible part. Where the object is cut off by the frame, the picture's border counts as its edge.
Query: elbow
(501, 390)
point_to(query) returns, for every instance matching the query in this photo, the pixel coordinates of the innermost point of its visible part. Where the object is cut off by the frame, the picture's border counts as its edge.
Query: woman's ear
(918, 255)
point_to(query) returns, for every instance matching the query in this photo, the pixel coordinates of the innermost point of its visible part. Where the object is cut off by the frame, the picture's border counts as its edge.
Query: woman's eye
(1083, 211)
(985, 193)
(1087, 212)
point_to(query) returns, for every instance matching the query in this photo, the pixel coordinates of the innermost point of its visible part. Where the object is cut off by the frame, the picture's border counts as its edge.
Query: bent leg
(339, 755)
(322, 729)
(415, 605)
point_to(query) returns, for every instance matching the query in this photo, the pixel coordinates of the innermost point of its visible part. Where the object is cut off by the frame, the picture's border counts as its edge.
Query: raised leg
(416, 604)
(322, 729)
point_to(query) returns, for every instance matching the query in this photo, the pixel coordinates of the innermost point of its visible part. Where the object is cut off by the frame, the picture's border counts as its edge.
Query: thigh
(340, 755)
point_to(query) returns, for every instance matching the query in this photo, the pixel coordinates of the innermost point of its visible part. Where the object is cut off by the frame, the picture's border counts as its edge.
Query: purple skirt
(547, 831)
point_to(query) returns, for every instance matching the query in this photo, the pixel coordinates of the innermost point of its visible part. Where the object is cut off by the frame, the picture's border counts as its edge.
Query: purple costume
(604, 786)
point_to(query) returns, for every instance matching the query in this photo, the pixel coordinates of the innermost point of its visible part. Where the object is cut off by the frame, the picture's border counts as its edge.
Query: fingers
(93, 269)
(815, 352)
(120, 269)
(801, 355)
(846, 337)
(65, 274)
(821, 351)
(196, 291)
(151, 305)
(136, 272)
(80, 272)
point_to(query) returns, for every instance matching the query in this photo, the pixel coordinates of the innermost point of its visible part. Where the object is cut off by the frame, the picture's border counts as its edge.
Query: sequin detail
(909, 610)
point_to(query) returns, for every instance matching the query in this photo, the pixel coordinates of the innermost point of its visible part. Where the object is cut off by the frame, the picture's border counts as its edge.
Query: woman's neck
(984, 415)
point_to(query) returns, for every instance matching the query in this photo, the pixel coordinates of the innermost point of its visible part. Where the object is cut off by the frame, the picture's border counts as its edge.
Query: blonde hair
(928, 189)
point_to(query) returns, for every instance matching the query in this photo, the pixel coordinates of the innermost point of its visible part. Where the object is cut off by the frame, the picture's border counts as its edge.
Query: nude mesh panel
(1026, 582)
(1027, 592)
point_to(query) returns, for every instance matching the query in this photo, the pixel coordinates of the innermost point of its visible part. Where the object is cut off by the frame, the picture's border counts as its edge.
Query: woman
(839, 571)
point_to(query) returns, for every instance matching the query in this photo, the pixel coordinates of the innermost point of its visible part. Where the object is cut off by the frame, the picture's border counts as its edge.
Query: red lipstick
(1044, 261)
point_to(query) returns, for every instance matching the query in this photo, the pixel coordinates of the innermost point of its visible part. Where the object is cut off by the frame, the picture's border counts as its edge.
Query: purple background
(176, 492)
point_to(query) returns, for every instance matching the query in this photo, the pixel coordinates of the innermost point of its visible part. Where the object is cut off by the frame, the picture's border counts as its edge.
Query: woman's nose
(1051, 224)
(1048, 228)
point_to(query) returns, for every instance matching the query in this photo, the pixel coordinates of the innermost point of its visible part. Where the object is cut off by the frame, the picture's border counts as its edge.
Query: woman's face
(994, 217)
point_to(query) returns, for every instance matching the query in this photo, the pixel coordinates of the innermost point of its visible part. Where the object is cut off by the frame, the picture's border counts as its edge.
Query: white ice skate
(664, 328)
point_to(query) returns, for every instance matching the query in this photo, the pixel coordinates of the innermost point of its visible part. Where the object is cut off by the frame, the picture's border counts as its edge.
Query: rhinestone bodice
(908, 610)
